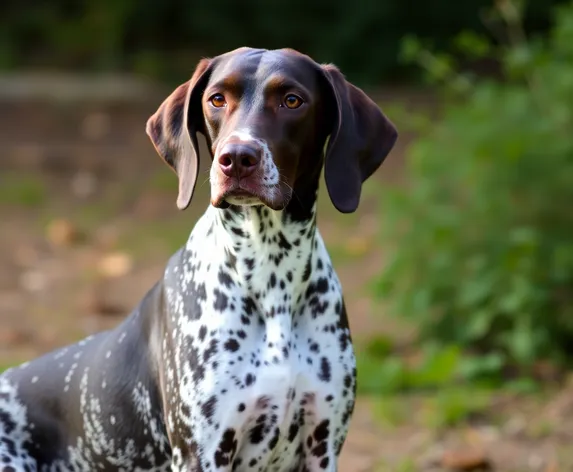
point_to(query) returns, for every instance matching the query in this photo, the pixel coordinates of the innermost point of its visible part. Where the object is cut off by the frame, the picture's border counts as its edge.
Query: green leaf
(472, 44)
(522, 342)
(410, 49)
(379, 377)
(483, 369)
(440, 367)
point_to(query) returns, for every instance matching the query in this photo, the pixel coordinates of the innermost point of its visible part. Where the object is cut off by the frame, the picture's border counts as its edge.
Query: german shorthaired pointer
(240, 357)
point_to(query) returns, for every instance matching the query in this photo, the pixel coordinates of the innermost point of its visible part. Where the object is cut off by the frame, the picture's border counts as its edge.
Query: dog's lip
(241, 189)
(245, 190)
(240, 193)
(235, 190)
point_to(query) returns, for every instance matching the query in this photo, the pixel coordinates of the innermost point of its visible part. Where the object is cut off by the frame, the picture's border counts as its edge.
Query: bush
(483, 231)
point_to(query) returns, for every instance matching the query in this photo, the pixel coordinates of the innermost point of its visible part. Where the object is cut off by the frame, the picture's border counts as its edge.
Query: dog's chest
(261, 357)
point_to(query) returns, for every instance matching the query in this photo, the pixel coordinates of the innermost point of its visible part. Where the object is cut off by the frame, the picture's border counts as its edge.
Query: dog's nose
(239, 160)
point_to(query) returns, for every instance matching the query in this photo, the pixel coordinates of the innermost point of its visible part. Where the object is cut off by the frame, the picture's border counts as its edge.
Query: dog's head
(267, 116)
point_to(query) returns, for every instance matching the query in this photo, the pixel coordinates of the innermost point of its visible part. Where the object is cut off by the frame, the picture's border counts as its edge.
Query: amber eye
(218, 100)
(292, 101)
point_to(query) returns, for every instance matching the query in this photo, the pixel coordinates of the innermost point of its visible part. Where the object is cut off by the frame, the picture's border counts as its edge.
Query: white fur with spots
(14, 434)
(282, 343)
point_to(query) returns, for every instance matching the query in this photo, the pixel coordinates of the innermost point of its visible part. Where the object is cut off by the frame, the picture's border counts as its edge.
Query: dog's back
(59, 406)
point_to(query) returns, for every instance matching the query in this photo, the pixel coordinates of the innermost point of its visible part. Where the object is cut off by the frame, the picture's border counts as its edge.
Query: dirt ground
(88, 221)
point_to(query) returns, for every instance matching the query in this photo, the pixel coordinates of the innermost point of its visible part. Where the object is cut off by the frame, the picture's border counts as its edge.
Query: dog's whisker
(206, 181)
(292, 192)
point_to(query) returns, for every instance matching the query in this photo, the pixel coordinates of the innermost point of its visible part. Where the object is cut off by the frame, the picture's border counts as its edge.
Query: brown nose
(239, 160)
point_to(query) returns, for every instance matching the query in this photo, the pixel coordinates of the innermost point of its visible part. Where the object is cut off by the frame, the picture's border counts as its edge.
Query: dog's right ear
(173, 130)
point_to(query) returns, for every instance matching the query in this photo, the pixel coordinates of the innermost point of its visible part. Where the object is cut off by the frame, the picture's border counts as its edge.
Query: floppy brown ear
(173, 130)
(361, 138)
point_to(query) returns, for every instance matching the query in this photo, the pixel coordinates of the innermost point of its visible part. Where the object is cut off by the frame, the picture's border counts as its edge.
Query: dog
(240, 358)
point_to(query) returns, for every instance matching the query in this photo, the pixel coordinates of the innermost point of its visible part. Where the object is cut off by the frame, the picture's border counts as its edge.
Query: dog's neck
(283, 235)
(267, 250)
(257, 230)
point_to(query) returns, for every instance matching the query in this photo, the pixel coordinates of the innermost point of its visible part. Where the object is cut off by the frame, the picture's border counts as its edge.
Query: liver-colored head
(267, 115)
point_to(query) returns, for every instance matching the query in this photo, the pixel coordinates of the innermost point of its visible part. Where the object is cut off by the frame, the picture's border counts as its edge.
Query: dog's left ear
(360, 139)
(173, 130)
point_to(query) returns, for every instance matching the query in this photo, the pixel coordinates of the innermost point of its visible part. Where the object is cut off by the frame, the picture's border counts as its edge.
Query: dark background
(164, 38)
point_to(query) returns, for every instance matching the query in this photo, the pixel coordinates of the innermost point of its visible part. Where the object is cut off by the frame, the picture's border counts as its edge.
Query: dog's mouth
(242, 197)
(245, 194)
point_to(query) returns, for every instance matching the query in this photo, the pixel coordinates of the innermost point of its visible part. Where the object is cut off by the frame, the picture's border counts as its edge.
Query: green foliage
(484, 254)
(431, 390)
(380, 371)
(166, 38)
(454, 406)
(436, 366)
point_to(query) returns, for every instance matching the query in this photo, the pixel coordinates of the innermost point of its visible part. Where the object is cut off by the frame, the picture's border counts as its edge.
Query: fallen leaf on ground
(115, 264)
(13, 336)
(62, 232)
(84, 184)
(358, 246)
(465, 461)
(33, 281)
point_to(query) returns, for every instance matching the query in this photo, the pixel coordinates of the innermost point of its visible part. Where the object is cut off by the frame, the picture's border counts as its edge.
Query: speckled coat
(240, 357)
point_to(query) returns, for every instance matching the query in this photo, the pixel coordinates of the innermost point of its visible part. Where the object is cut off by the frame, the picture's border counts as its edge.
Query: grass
(391, 411)
(454, 406)
(443, 408)
(164, 180)
(4, 367)
(405, 465)
(427, 390)
(21, 189)
(92, 215)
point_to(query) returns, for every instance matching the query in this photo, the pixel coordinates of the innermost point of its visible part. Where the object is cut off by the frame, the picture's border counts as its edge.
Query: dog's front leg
(319, 451)
(218, 456)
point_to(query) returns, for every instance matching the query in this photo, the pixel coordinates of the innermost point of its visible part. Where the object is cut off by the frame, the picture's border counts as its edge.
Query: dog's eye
(292, 101)
(218, 100)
